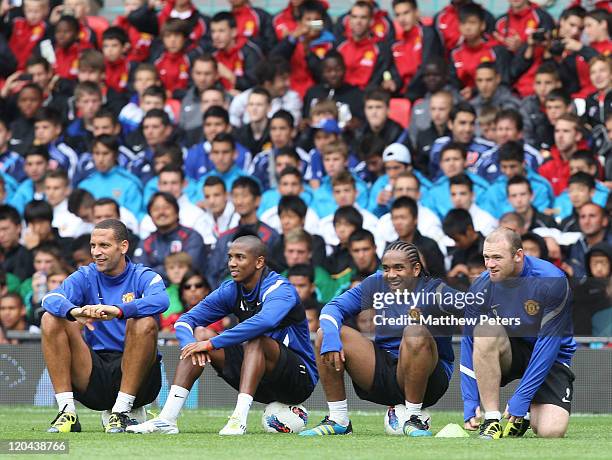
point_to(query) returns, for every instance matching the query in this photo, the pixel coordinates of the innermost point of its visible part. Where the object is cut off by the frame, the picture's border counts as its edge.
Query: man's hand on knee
(334, 359)
(198, 352)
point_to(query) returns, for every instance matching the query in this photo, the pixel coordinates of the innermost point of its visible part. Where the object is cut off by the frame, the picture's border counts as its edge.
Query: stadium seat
(399, 111)
(175, 105)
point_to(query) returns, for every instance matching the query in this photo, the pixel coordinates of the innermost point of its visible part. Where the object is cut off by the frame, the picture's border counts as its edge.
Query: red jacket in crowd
(197, 28)
(173, 70)
(24, 38)
(524, 22)
(117, 74)
(140, 41)
(556, 169)
(603, 47)
(305, 63)
(365, 61)
(465, 60)
(382, 29)
(67, 60)
(241, 60)
(285, 23)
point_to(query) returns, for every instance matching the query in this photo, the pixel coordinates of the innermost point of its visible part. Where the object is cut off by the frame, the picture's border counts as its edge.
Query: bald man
(523, 330)
(267, 357)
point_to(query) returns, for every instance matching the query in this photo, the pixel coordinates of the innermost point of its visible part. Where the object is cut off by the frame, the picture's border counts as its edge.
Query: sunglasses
(194, 286)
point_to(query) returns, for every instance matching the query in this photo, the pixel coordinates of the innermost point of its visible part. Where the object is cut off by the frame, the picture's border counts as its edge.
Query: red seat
(399, 111)
(175, 105)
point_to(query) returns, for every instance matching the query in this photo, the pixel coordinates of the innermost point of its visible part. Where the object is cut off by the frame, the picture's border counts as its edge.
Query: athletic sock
(493, 415)
(176, 399)
(65, 401)
(338, 412)
(123, 403)
(413, 409)
(243, 405)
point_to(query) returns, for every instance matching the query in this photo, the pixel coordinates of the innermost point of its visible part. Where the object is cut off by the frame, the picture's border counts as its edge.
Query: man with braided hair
(409, 362)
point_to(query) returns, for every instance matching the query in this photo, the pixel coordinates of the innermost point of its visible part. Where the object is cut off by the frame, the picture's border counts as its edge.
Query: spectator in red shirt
(66, 47)
(174, 62)
(236, 59)
(139, 22)
(306, 47)
(195, 21)
(475, 49)
(572, 55)
(253, 24)
(446, 23)
(381, 27)
(115, 45)
(25, 32)
(417, 45)
(568, 134)
(366, 61)
(287, 20)
(596, 31)
(522, 19)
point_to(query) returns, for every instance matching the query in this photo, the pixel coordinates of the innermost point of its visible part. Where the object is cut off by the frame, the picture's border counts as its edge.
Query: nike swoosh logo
(177, 396)
(565, 400)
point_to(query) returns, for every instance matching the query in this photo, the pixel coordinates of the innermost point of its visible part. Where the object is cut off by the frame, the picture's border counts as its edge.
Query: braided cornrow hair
(411, 251)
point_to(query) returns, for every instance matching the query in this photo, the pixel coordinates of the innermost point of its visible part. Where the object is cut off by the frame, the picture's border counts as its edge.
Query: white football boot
(234, 427)
(155, 425)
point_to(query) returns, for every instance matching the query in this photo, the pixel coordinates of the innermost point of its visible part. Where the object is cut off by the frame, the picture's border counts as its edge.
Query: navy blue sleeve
(555, 318)
(153, 298)
(276, 304)
(335, 312)
(70, 294)
(211, 308)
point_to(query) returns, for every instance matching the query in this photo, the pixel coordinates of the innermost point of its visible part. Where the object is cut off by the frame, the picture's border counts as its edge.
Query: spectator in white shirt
(462, 197)
(57, 190)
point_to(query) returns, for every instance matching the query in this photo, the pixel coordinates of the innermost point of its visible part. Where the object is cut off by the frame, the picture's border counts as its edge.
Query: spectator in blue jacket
(36, 164)
(111, 180)
(512, 162)
(581, 161)
(197, 160)
(223, 156)
(335, 160)
(462, 124)
(453, 161)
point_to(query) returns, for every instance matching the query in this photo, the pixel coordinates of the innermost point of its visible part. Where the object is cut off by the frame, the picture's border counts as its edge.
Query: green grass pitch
(589, 437)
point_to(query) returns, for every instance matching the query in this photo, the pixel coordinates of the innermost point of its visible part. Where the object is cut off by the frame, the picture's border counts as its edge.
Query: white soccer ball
(395, 417)
(283, 418)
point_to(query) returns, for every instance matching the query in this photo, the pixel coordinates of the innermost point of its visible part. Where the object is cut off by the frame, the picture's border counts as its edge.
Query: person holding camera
(306, 47)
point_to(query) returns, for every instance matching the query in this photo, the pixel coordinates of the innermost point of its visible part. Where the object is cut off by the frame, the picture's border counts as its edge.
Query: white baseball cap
(397, 152)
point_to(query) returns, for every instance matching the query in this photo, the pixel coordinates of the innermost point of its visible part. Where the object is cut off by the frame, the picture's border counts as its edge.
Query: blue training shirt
(539, 300)
(276, 297)
(138, 292)
(388, 336)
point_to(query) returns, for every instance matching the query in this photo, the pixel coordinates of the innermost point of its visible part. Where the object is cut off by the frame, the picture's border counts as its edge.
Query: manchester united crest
(532, 307)
(127, 298)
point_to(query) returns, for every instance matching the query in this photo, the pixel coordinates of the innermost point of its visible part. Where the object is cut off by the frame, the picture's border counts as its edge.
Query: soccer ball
(282, 418)
(395, 417)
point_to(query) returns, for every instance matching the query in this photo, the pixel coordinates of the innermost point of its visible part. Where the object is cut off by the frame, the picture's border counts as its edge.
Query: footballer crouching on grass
(114, 367)
(407, 363)
(538, 350)
(267, 356)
